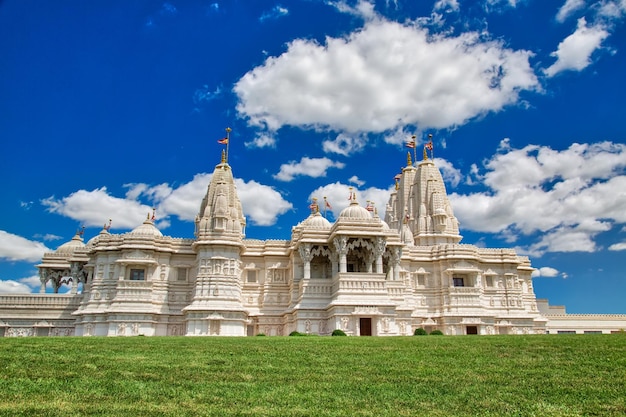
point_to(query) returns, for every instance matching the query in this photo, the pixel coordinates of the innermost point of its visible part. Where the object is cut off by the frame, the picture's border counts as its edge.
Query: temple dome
(316, 220)
(72, 245)
(355, 212)
(146, 229)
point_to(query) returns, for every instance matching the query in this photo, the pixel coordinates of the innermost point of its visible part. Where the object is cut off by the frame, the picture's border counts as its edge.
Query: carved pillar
(341, 245)
(56, 281)
(395, 262)
(43, 277)
(334, 260)
(379, 249)
(305, 254)
(76, 272)
(369, 260)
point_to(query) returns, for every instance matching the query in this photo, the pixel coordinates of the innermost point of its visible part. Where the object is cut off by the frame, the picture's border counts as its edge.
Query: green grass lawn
(564, 375)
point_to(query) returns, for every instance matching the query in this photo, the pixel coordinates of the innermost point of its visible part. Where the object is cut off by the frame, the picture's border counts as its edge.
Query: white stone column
(305, 254)
(395, 262)
(43, 277)
(379, 249)
(341, 245)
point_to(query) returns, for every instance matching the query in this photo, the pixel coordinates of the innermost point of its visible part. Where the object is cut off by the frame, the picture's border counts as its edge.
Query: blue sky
(108, 109)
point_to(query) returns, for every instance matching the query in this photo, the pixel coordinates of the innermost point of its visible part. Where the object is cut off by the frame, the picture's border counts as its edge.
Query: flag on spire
(410, 144)
(429, 145)
(223, 141)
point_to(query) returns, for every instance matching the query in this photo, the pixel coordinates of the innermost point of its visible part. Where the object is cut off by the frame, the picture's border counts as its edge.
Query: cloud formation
(546, 271)
(94, 208)
(574, 52)
(565, 197)
(14, 287)
(262, 204)
(382, 77)
(276, 12)
(569, 8)
(310, 167)
(17, 248)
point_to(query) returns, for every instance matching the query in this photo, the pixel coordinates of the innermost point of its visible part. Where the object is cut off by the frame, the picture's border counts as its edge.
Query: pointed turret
(434, 222)
(221, 217)
(216, 308)
(420, 204)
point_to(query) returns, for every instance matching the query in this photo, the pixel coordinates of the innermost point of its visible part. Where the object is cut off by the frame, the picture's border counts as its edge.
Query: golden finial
(425, 154)
(223, 156)
(408, 159)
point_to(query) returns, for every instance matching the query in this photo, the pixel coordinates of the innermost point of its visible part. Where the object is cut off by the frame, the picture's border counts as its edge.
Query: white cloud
(261, 203)
(567, 196)
(446, 5)
(450, 174)
(362, 9)
(355, 180)
(184, 200)
(262, 140)
(345, 144)
(574, 52)
(611, 9)
(17, 248)
(14, 287)
(32, 281)
(48, 237)
(618, 246)
(570, 7)
(545, 271)
(204, 94)
(276, 12)
(311, 167)
(382, 77)
(499, 5)
(93, 208)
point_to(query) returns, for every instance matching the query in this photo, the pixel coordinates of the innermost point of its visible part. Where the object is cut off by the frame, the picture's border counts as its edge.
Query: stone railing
(39, 301)
(465, 296)
(134, 290)
(315, 287)
(355, 282)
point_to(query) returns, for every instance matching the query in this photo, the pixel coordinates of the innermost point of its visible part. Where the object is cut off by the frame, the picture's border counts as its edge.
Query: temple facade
(361, 273)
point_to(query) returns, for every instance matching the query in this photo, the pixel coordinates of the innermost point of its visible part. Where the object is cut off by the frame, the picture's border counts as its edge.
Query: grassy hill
(563, 375)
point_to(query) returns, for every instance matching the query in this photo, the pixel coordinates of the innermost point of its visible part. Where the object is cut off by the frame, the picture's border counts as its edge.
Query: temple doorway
(365, 326)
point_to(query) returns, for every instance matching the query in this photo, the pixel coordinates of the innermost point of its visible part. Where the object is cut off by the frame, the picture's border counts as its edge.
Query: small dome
(146, 229)
(316, 220)
(72, 245)
(96, 238)
(440, 212)
(355, 212)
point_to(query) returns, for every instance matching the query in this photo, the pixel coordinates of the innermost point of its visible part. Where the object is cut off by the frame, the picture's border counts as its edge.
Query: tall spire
(420, 203)
(221, 215)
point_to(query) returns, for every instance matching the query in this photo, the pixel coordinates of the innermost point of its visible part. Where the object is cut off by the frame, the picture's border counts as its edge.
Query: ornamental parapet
(39, 300)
